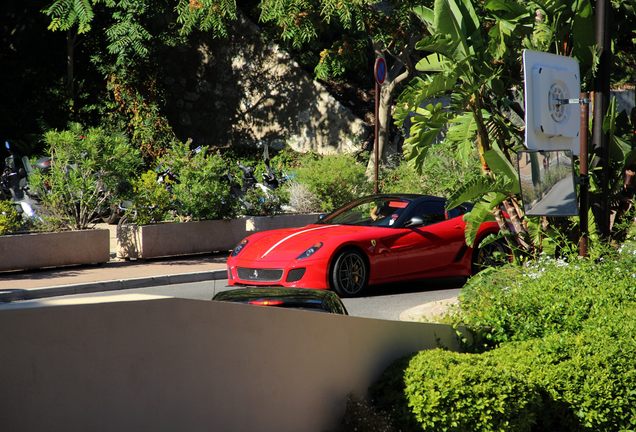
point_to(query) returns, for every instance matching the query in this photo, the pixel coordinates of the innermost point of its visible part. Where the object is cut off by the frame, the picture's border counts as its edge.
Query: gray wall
(185, 365)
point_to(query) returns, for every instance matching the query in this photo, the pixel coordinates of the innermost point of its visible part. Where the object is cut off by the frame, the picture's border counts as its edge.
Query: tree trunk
(71, 36)
(384, 115)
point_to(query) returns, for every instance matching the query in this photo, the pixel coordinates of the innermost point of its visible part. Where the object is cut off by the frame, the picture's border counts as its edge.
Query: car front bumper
(300, 274)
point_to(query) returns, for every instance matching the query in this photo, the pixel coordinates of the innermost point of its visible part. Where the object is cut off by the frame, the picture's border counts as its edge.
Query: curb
(111, 285)
(428, 312)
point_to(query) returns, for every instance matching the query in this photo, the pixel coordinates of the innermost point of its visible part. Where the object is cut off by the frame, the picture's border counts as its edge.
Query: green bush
(9, 218)
(335, 180)
(444, 170)
(564, 355)
(589, 379)
(88, 170)
(402, 178)
(447, 391)
(259, 203)
(152, 201)
(562, 382)
(547, 296)
(199, 191)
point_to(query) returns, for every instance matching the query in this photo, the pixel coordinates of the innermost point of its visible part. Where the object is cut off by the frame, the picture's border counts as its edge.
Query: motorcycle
(14, 186)
(270, 182)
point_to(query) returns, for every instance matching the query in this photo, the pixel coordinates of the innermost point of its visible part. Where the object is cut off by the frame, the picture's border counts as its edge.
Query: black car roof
(412, 197)
(297, 298)
(250, 293)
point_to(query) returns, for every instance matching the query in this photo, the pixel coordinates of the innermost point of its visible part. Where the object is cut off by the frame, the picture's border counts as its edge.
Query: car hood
(287, 244)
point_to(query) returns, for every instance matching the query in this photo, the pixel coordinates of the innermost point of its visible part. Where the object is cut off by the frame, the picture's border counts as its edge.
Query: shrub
(446, 391)
(199, 191)
(256, 202)
(301, 199)
(443, 170)
(152, 201)
(563, 361)
(335, 180)
(87, 171)
(588, 379)
(547, 296)
(402, 178)
(564, 382)
(9, 218)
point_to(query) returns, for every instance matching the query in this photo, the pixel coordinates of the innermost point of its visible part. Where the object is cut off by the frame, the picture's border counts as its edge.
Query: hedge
(564, 356)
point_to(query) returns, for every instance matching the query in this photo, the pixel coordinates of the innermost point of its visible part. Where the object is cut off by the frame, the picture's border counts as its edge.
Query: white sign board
(549, 80)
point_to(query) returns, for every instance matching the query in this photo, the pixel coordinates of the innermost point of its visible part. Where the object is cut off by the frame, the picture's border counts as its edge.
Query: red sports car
(373, 240)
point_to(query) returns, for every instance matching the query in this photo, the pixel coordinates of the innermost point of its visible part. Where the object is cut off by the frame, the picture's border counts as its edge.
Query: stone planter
(41, 250)
(189, 238)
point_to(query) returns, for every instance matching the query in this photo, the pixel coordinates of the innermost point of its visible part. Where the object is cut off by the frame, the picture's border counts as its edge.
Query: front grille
(261, 275)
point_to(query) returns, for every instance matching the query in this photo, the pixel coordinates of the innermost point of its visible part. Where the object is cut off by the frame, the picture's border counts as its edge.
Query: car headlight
(237, 250)
(309, 252)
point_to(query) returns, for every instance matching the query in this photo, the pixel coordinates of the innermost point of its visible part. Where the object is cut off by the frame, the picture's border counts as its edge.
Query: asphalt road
(383, 302)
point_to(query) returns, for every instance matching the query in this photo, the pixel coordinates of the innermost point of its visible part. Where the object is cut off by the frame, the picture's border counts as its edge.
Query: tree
(472, 57)
(73, 17)
(364, 29)
(367, 28)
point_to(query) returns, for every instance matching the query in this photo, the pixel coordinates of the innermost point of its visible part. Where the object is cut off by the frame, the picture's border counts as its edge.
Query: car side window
(457, 211)
(431, 212)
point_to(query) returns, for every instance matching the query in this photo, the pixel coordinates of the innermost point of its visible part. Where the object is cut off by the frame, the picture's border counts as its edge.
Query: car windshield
(376, 211)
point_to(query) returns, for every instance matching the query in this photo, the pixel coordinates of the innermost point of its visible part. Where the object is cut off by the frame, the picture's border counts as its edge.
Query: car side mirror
(414, 221)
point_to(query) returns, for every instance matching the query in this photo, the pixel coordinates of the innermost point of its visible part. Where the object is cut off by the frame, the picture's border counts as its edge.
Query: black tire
(493, 254)
(350, 273)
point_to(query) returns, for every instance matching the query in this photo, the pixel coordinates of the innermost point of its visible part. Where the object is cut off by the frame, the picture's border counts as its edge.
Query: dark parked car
(296, 298)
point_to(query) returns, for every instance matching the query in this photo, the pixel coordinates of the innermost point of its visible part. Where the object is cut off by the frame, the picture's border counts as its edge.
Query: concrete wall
(32, 251)
(185, 365)
(187, 238)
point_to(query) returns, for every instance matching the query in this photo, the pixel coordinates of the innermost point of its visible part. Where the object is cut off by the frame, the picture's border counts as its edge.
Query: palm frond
(480, 213)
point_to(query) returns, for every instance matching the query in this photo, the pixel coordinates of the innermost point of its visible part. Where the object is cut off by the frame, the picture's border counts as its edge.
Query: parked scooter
(270, 182)
(14, 186)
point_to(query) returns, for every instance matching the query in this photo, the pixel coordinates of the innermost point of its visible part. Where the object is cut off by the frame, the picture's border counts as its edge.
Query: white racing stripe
(295, 234)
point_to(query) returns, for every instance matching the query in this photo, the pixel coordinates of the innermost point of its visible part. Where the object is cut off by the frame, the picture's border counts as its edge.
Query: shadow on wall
(243, 90)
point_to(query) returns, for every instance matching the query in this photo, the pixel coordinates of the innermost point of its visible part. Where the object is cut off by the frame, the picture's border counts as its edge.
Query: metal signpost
(379, 72)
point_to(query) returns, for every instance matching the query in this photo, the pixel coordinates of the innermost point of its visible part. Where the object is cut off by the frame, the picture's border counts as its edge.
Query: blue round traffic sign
(380, 70)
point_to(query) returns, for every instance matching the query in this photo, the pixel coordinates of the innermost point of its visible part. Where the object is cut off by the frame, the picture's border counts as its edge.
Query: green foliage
(545, 297)
(152, 201)
(146, 126)
(342, 56)
(199, 192)
(437, 175)
(88, 171)
(402, 178)
(448, 391)
(589, 377)
(259, 203)
(567, 382)
(65, 14)
(127, 36)
(564, 335)
(9, 218)
(335, 180)
(206, 15)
